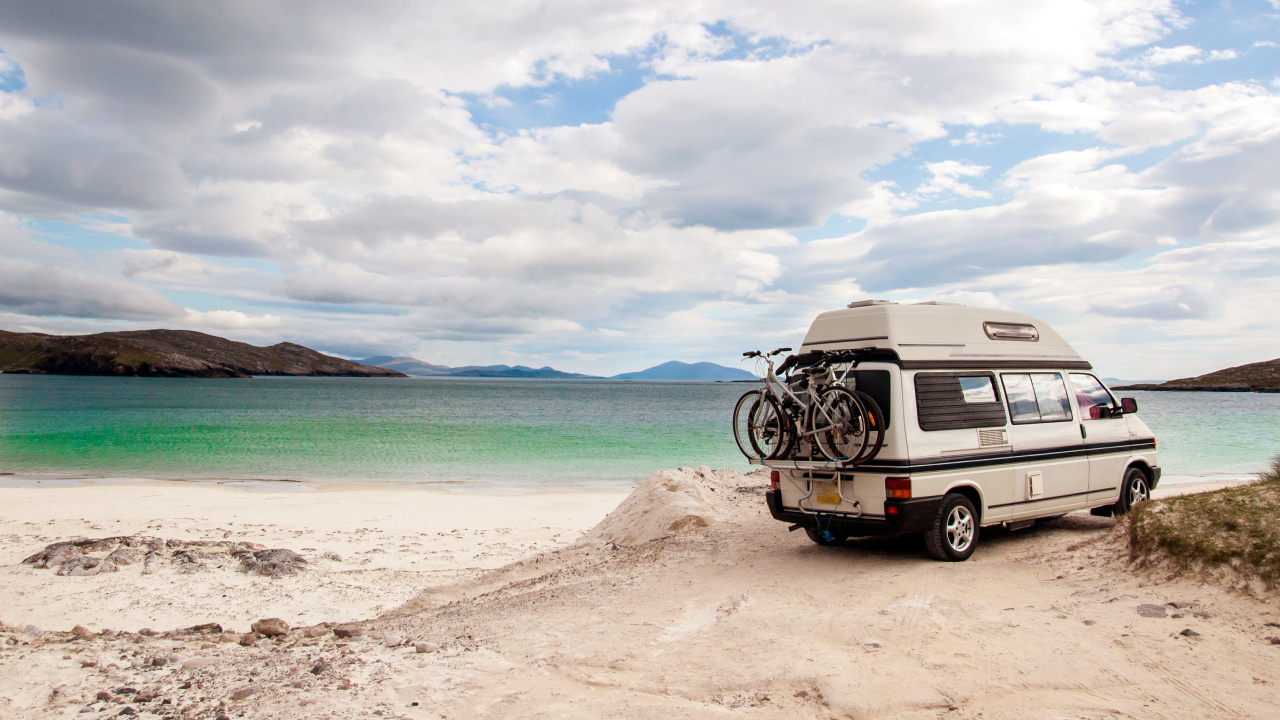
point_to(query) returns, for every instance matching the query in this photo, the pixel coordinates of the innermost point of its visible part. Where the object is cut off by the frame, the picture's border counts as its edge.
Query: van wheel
(1136, 488)
(832, 538)
(955, 531)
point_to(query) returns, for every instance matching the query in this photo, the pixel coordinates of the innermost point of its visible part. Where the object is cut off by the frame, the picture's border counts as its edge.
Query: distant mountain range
(676, 370)
(167, 353)
(1254, 377)
(673, 370)
(418, 368)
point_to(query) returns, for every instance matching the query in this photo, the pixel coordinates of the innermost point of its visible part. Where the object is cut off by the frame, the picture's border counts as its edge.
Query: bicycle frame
(780, 391)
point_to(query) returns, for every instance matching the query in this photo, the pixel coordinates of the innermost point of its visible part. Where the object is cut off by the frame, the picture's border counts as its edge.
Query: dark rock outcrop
(1261, 377)
(168, 353)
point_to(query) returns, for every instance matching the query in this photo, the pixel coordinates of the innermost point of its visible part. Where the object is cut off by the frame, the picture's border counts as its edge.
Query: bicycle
(845, 425)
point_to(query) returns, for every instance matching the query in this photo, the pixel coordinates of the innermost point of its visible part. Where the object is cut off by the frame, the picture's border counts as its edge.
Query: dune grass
(1238, 527)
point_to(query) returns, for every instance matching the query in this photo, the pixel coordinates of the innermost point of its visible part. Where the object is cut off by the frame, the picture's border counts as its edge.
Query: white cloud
(46, 290)
(1158, 56)
(947, 176)
(229, 320)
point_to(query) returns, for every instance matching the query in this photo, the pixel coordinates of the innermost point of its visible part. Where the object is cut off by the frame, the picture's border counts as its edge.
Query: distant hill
(418, 368)
(676, 370)
(1254, 377)
(1114, 382)
(406, 365)
(518, 371)
(167, 353)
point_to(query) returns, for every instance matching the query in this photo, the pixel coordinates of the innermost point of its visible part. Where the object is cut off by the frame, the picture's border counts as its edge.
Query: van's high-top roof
(941, 332)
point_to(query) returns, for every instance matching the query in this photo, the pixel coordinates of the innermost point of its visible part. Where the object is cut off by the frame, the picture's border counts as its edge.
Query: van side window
(1092, 397)
(948, 401)
(1036, 397)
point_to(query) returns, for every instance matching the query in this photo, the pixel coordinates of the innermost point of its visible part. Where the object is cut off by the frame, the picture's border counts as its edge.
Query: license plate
(826, 493)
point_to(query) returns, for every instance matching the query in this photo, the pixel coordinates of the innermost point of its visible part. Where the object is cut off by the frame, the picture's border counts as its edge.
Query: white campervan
(990, 418)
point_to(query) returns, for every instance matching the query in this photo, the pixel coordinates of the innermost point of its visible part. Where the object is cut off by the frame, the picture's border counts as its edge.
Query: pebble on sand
(426, 647)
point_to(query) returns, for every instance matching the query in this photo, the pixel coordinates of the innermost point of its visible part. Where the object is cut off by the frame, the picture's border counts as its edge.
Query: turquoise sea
(473, 433)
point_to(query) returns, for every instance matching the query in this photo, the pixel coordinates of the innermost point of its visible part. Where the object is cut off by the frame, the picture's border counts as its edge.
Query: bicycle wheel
(875, 428)
(839, 423)
(769, 429)
(741, 415)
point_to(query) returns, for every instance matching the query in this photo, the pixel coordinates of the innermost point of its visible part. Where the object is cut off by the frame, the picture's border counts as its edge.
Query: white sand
(392, 542)
(730, 616)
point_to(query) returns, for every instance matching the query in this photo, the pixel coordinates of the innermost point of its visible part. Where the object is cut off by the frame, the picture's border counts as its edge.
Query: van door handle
(1083, 433)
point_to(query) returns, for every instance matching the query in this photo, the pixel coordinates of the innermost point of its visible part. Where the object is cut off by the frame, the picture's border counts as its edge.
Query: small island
(168, 353)
(1262, 377)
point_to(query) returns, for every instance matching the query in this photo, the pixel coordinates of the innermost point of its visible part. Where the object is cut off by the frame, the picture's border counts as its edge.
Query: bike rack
(798, 464)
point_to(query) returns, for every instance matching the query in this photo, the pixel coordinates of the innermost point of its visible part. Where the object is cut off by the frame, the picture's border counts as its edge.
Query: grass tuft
(1237, 527)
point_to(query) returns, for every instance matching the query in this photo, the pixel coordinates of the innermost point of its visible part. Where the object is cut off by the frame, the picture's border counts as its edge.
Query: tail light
(898, 487)
(773, 479)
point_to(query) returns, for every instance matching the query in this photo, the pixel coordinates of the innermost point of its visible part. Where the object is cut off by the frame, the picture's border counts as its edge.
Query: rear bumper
(900, 516)
(1155, 476)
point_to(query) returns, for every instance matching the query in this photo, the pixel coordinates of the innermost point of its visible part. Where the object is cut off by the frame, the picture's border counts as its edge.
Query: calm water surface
(419, 430)
(476, 432)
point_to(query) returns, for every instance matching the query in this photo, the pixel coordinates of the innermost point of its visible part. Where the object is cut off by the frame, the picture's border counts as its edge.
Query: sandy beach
(686, 600)
(383, 544)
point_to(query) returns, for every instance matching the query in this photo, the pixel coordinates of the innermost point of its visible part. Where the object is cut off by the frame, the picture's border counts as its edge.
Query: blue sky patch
(12, 78)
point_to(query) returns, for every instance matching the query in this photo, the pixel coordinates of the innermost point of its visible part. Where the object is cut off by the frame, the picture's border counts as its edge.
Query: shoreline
(18, 479)
(462, 487)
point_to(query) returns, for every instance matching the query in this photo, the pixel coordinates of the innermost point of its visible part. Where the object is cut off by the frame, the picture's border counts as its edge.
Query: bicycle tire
(769, 429)
(875, 426)
(741, 414)
(839, 422)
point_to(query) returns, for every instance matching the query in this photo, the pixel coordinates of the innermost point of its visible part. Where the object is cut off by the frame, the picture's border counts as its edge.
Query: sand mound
(672, 501)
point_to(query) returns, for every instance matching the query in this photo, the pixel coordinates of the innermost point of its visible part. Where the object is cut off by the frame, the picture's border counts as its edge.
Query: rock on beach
(271, 627)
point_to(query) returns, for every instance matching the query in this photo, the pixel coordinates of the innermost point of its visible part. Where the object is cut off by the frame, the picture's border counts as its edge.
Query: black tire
(817, 537)
(954, 534)
(875, 429)
(1135, 488)
(741, 414)
(769, 429)
(839, 422)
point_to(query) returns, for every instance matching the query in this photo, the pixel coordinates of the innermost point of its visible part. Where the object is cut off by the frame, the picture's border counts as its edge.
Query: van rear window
(876, 384)
(950, 401)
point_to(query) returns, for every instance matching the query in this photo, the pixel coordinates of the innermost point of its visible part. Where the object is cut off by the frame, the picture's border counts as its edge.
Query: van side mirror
(1128, 405)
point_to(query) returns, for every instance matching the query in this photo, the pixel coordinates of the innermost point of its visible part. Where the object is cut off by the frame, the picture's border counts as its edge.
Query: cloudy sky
(604, 186)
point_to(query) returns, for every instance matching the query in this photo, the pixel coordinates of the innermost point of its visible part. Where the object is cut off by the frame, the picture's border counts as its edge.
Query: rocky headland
(168, 353)
(1254, 377)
